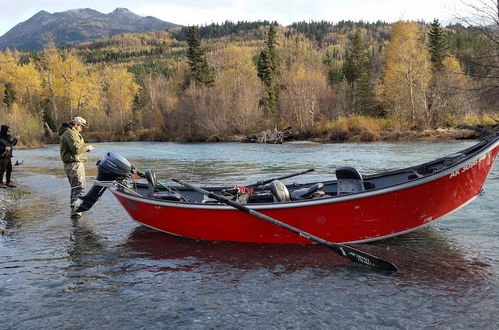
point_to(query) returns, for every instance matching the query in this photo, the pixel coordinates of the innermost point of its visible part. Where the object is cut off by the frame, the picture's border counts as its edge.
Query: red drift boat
(354, 208)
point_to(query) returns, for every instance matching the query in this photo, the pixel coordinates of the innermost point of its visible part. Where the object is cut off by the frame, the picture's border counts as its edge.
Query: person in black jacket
(6, 144)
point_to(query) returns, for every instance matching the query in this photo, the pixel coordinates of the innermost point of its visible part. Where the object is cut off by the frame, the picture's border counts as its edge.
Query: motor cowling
(111, 167)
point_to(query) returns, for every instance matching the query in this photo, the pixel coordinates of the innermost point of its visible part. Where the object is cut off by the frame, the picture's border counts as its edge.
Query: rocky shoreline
(463, 132)
(333, 135)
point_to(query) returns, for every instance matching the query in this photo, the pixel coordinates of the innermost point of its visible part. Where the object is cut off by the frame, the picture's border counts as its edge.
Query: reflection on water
(84, 244)
(432, 259)
(10, 217)
(424, 254)
(105, 270)
(274, 257)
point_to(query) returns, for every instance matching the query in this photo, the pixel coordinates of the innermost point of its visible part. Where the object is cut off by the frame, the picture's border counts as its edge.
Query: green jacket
(73, 147)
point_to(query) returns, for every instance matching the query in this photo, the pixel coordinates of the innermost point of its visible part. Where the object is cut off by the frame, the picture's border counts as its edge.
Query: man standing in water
(74, 154)
(6, 144)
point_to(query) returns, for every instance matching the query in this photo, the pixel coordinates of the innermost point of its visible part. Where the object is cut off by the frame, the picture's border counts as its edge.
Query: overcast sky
(199, 12)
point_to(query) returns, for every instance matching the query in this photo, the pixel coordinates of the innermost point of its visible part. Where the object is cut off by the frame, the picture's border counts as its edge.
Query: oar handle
(342, 249)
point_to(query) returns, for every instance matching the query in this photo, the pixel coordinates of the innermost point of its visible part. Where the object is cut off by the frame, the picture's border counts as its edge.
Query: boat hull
(355, 218)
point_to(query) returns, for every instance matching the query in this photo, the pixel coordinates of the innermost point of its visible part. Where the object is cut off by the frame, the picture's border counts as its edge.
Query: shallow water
(106, 271)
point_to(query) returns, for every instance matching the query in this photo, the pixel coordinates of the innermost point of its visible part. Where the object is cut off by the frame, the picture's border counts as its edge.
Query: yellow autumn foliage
(120, 93)
(136, 83)
(407, 75)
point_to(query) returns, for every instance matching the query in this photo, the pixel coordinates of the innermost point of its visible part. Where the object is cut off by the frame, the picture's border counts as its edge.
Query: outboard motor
(110, 167)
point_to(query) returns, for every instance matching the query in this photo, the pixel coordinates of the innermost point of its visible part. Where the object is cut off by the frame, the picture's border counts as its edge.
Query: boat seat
(279, 191)
(153, 192)
(151, 183)
(305, 193)
(168, 196)
(349, 180)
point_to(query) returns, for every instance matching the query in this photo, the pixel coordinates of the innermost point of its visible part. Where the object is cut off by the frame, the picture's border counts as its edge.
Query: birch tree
(407, 75)
(120, 94)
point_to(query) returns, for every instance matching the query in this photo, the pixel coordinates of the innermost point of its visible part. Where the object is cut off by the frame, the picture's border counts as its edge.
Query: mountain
(77, 25)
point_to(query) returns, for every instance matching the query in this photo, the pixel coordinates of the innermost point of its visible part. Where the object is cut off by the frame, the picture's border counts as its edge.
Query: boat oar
(341, 249)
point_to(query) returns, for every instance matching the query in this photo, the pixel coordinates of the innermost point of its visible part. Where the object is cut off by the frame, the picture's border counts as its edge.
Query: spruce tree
(366, 99)
(438, 45)
(356, 70)
(267, 72)
(9, 94)
(201, 71)
(356, 60)
(335, 74)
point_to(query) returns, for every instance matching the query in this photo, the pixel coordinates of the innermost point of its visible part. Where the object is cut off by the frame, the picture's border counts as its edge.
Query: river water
(106, 271)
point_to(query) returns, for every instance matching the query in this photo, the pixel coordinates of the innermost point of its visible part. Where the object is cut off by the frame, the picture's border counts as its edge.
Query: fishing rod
(249, 188)
(142, 174)
(153, 182)
(142, 149)
(264, 182)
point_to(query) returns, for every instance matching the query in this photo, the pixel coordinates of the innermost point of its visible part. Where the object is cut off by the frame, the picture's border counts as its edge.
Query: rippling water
(106, 271)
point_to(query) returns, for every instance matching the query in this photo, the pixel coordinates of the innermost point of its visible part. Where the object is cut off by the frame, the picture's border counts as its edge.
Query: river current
(107, 271)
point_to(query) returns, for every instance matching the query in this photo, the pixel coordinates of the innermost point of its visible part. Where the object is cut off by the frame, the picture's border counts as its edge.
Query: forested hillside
(77, 25)
(232, 80)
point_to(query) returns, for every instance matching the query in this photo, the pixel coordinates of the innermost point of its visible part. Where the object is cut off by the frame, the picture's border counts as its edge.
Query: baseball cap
(80, 120)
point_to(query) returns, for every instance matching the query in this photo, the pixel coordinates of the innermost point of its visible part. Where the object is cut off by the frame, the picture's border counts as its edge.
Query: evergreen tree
(356, 70)
(9, 94)
(267, 72)
(366, 98)
(335, 74)
(201, 71)
(438, 45)
(356, 60)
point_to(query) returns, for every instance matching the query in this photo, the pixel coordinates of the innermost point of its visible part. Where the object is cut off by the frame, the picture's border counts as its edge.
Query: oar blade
(362, 257)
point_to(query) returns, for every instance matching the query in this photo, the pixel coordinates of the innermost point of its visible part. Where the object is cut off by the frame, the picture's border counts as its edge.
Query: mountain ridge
(77, 25)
